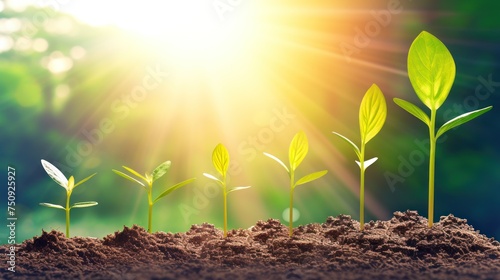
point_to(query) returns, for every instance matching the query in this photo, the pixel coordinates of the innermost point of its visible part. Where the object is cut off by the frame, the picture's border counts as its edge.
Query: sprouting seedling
(149, 179)
(69, 185)
(296, 154)
(372, 115)
(220, 159)
(431, 70)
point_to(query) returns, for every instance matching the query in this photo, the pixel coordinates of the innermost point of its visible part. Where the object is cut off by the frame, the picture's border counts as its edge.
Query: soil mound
(401, 248)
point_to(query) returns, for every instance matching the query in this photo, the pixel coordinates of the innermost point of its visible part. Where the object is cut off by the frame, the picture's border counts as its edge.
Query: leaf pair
(149, 179)
(431, 69)
(59, 178)
(297, 151)
(68, 184)
(372, 116)
(220, 160)
(75, 205)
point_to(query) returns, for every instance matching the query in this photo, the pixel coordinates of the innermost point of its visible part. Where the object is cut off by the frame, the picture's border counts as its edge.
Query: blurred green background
(91, 88)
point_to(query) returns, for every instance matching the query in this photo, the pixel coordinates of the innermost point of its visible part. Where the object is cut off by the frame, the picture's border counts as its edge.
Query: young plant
(431, 70)
(149, 179)
(296, 153)
(372, 115)
(220, 159)
(69, 185)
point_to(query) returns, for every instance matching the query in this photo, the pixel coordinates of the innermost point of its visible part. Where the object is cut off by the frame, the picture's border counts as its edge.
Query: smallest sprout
(69, 185)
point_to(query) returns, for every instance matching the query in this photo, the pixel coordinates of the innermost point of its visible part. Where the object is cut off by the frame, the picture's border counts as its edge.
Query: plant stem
(150, 212)
(290, 209)
(68, 195)
(225, 213)
(225, 204)
(362, 189)
(432, 158)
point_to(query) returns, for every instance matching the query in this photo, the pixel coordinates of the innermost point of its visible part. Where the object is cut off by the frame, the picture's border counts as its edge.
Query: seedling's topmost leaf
(372, 113)
(298, 150)
(55, 174)
(431, 69)
(161, 170)
(220, 159)
(71, 183)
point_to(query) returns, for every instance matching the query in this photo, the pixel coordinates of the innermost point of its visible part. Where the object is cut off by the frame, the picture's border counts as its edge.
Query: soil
(401, 248)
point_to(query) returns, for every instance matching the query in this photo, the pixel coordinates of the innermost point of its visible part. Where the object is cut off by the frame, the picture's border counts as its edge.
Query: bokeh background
(93, 85)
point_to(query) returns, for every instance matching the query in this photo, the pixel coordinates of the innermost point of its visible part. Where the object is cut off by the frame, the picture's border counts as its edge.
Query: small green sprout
(296, 153)
(69, 185)
(431, 70)
(220, 159)
(372, 115)
(149, 179)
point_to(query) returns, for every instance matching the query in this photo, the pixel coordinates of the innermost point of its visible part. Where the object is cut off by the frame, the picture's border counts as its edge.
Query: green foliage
(431, 70)
(296, 153)
(149, 179)
(372, 115)
(69, 185)
(220, 160)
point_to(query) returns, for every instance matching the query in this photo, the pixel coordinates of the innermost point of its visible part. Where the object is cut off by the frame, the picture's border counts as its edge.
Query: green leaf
(136, 173)
(55, 174)
(128, 177)
(52, 205)
(412, 109)
(372, 113)
(84, 180)
(161, 170)
(461, 120)
(278, 161)
(210, 176)
(298, 150)
(84, 204)
(220, 159)
(354, 147)
(367, 162)
(310, 177)
(71, 183)
(173, 188)
(431, 69)
(238, 188)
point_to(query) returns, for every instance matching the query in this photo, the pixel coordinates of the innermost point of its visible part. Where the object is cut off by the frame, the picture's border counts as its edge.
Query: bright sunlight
(189, 28)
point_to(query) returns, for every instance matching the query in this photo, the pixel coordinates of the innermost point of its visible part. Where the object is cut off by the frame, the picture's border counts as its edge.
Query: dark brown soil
(401, 248)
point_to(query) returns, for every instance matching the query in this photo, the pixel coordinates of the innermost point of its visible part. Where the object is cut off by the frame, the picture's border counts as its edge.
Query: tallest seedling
(431, 70)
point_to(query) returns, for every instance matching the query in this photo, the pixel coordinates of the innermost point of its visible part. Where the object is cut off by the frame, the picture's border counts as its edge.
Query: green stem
(432, 159)
(150, 210)
(67, 213)
(225, 204)
(362, 189)
(225, 214)
(290, 210)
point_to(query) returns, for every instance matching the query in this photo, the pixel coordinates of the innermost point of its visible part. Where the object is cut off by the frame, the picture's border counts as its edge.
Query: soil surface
(401, 248)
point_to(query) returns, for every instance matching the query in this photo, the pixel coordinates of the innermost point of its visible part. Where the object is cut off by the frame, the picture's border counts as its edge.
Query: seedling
(69, 185)
(372, 115)
(149, 179)
(220, 159)
(296, 154)
(431, 70)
